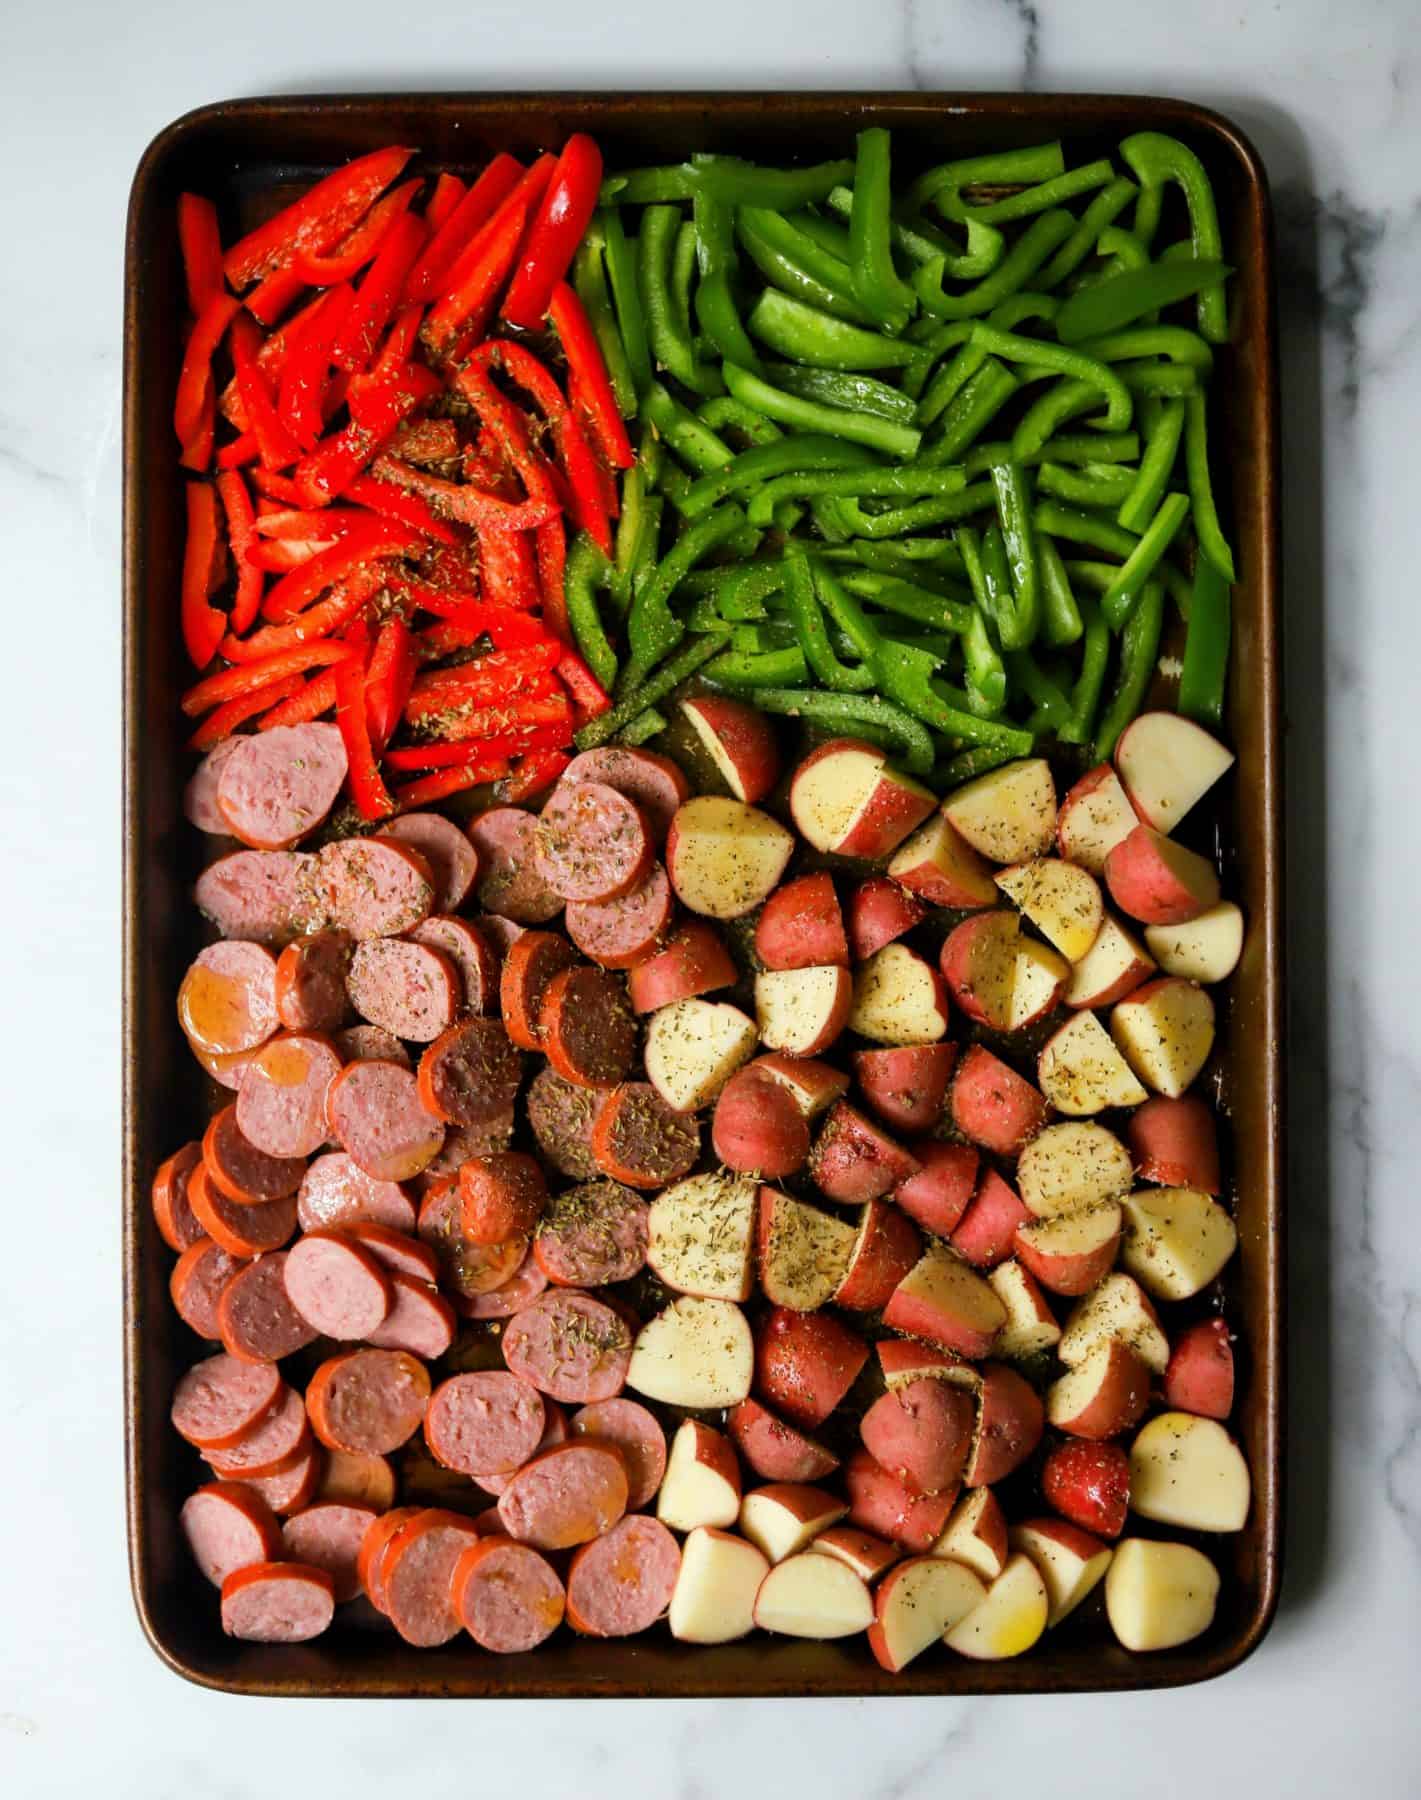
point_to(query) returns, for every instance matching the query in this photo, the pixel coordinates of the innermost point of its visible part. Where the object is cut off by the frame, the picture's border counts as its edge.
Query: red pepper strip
(271, 358)
(334, 613)
(421, 597)
(222, 723)
(556, 232)
(305, 374)
(242, 527)
(448, 192)
(195, 381)
(321, 521)
(588, 695)
(226, 684)
(367, 786)
(426, 441)
(394, 502)
(359, 545)
(464, 720)
(430, 788)
(509, 570)
(472, 285)
(400, 345)
(466, 504)
(279, 556)
(270, 299)
(276, 487)
(359, 246)
(202, 250)
(204, 557)
(550, 543)
(316, 697)
(492, 675)
(378, 295)
(376, 412)
(587, 372)
(534, 774)
(388, 680)
(276, 446)
(320, 218)
(239, 452)
(410, 758)
(508, 425)
(196, 453)
(453, 236)
(443, 639)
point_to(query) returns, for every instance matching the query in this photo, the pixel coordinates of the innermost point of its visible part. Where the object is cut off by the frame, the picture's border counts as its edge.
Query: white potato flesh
(1062, 901)
(1009, 814)
(1008, 1619)
(802, 1010)
(898, 999)
(701, 1236)
(1081, 1072)
(693, 1047)
(696, 1353)
(1205, 949)
(713, 1601)
(724, 857)
(1116, 1308)
(1067, 1167)
(1176, 1240)
(1159, 1595)
(1188, 1471)
(813, 1597)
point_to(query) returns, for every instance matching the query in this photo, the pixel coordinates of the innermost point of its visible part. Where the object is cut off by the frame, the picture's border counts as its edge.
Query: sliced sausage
(177, 1225)
(507, 1596)
(623, 1583)
(278, 1442)
(242, 1231)
(509, 881)
(197, 1283)
(227, 1001)
(449, 852)
(280, 784)
(277, 1603)
(292, 1488)
(378, 1118)
(654, 782)
(396, 1251)
(368, 1400)
(463, 1141)
(473, 958)
(487, 1423)
(420, 1319)
(328, 1536)
(372, 887)
(200, 794)
(640, 1140)
(265, 895)
(371, 1043)
(336, 1191)
(566, 1496)
(591, 1235)
(589, 1031)
(500, 1197)
(623, 932)
(412, 991)
(631, 1429)
(466, 1268)
(528, 967)
(242, 1172)
(370, 1563)
(255, 1316)
(226, 1071)
(561, 1116)
(219, 1400)
(470, 1074)
(521, 1289)
(228, 1526)
(418, 1575)
(501, 933)
(336, 1285)
(358, 1479)
(591, 842)
(281, 1104)
(554, 1432)
(310, 981)
(570, 1345)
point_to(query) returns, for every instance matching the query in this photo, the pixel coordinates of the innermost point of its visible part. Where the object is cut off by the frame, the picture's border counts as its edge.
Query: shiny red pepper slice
(366, 784)
(394, 502)
(464, 502)
(455, 233)
(588, 695)
(359, 544)
(276, 447)
(587, 374)
(388, 680)
(429, 788)
(341, 607)
(195, 379)
(201, 246)
(196, 453)
(204, 557)
(359, 246)
(472, 286)
(320, 218)
(448, 192)
(556, 231)
(510, 570)
(533, 774)
(228, 683)
(222, 723)
(241, 539)
(377, 411)
(316, 696)
(378, 295)
(305, 373)
(550, 549)
(411, 758)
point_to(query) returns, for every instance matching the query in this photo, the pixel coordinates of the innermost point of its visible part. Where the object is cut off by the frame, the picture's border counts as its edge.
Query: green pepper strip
(876, 281)
(589, 278)
(626, 297)
(793, 261)
(1036, 432)
(1027, 201)
(900, 484)
(986, 674)
(1000, 168)
(1085, 695)
(1139, 646)
(649, 186)
(949, 382)
(1097, 484)
(710, 614)
(632, 530)
(745, 184)
(648, 725)
(967, 765)
(1206, 648)
(931, 345)
(1118, 600)
(772, 670)
(1121, 299)
(1083, 528)
(902, 520)
(1156, 466)
(1023, 618)
(670, 341)
(1076, 363)
(1052, 708)
(806, 415)
(809, 629)
(1102, 212)
(1207, 529)
(809, 335)
(864, 715)
(1123, 247)
(1156, 159)
(762, 462)
(909, 601)
(684, 432)
(725, 413)
(1016, 309)
(1060, 616)
(1161, 381)
(683, 278)
(924, 243)
(1173, 341)
(588, 570)
(653, 630)
(1031, 249)
(837, 387)
(655, 689)
(716, 308)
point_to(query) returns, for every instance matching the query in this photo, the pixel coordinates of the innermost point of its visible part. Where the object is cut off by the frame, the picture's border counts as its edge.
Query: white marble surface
(1328, 1706)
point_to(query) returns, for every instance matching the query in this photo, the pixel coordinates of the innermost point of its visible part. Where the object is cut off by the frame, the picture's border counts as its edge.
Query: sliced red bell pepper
(359, 246)
(195, 379)
(395, 502)
(305, 373)
(320, 218)
(361, 543)
(444, 639)
(241, 451)
(462, 719)
(472, 286)
(279, 556)
(550, 548)
(204, 557)
(556, 232)
(201, 245)
(533, 774)
(271, 358)
(587, 375)
(276, 487)
(276, 447)
(509, 429)
(316, 696)
(588, 695)
(399, 345)
(426, 441)
(271, 298)
(448, 192)
(366, 784)
(378, 295)
(463, 502)
(388, 680)
(411, 758)
(377, 411)
(226, 684)
(453, 235)
(222, 723)
(510, 570)
(242, 529)
(430, 788)
(337, 612)
(196, 453)
(496, 674)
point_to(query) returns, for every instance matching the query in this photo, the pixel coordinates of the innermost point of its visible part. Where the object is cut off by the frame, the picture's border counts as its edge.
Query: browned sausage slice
(591, 842)
(336, 1285)
(623, 1583)
(418, 1576)
(228, 1526)
(465, 1268)
(359, 1480)
(554, 1432)
(591, 1235)
(277, 1603)
(200, 794)
(227, 1001)
(570, 1345)
(528, 967)
(501, 933)
(414, 992)
(255, 1316)
(197, 1283)
(174, 1218)
(371, 1043)
(379, 1119)
(265, 895)
(521, 1289)
(328, 1536)
(241, 1171)
(242, 1231)
(291, 1489)
(278, 1442)
(420, 1319)
(630, 1428)
(500, 1197)
(640, 1140)
(470, 1074)
(507, 1596)
(621, 933)
(310, 981)
(589, 1031)
(373, 887)
(219, 1400)
(566, 1496)
(561, 1116)
(368, 1400)
(463, 1141)
(509, 882)
(486, 1423)
(281, 1103)
(654, 782)
(397, 1252)
(449, 852)
(370, 1563)
(472, 955)
(280, 785)
(335, 1191)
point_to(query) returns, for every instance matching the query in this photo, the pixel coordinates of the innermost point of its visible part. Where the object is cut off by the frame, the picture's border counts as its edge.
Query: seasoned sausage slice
(507, 1596)
(280, 785)
(335, 1191)
(588, 1028)
(420, 1319)
(275, 1444)
(591, 842)
(227, 1001)
(242, 1231)
(292, 1488)
(379, 1119)
(633, 1430)
(200, 794)
(561, 1115)
(466, 1268)
(281, 1103)
(623, 1583)
(228, 1526)
(571, 1346)
(448, 851)
(470, 1074)
(472, 955)
(197, 1283)
(336, 1285)
(396, 1251)
(528, 967)
(219, 1400)
(592, 1235)
(640, 1140)
(371, 1043)
(368, 1400)
(310, 981)
(418, 1573)
(359, 1480)
(509, 881)
(255, 1316)
(501, 1197)
(654, 782)
(265, 895)
(566, 1496)
(239, 1170)
(373, 887)
(177, 1225)
(486, 1423)
(412, 991)
(623, 932)
(521, 1289)
(277, 1603)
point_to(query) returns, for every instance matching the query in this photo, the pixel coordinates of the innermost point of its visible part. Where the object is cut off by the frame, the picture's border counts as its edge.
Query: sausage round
(281, 1104)
(465, 1267)
(566, 1496)
(450, 854)
(508, 1597)
(200, 794)
(588, 1028)
(409, 989)
(632, 1430)
(528, 967)
(501, 933)
(265, 895)
(509, 881)
(370, 1401)
(373, 887)
(357, 1479)
(291, 1489)
(561, 1116)
(623, 1583)
(591, 842)
(500, 1197)
(370, 1562)
(177, 1225)
(554, 1432)
(418, 1572)
(570, 1345)
(623, 932)
(255, 1316)
(197, 1282)
(470, 1074)
(379, 1119)
(487, 1423)
(420, 1319)
(397, 1252)
(336, 1191)
(219, 1400)
(277, 1603)
(280, 784)
(242, 1231)
(521, 1289)
(371, 1043)
(328, 1536)
(654, 782)
(228, 1526)
(227, 1001)
(640, 1140)
(592, 1235)
(241, 1171)
(336, 1285)
(469, 950)
(310, 981)
(275, 1444)
(463, 1141)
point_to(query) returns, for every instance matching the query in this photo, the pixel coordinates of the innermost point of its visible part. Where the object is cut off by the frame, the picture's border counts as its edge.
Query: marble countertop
(1332, 97)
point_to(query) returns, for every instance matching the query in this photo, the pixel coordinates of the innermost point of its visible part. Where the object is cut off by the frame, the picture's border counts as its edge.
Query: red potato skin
(886, 1248)
(801, 926)
(921, 1434)
(940, 1192)
(775, 1450)
(879, 912)
(881, 1504)
(1070, 1275)
(1200, 1375)
(821, 1083)
(1089, 1485)
(987, 1229)
(1010, 1422)
(758, 1126)
(993, 1105)
(905, 1359)
(971, 885)
(854, 1162)
(748, 740)
(1143, 884)
(893, 810)
(1117, 1403)
(693, 961)
(960, 949)
(906, 1084)
(1175, 1142)
(805, 1363)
